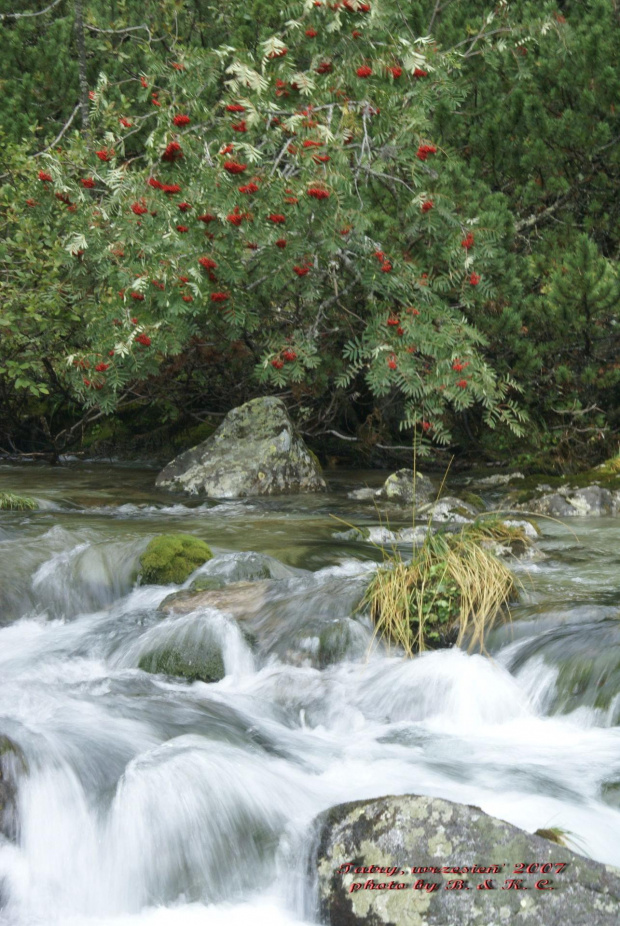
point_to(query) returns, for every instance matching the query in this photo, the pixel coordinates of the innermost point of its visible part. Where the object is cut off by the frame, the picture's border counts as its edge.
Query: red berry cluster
(424, 150)
(468, 241)
(318, 192)
(173, 152)
(386, 266)
(181, 119)
(234, 167)
(364, 71)
(144, 340)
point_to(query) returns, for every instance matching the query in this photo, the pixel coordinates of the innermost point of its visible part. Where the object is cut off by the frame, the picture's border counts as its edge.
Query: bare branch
(65, 127)
(4, 16)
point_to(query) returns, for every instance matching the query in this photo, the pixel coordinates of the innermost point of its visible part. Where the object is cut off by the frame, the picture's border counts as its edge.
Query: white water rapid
(144, 800)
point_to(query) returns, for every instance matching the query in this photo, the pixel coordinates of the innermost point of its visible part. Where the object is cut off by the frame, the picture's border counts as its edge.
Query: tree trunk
(81, 49)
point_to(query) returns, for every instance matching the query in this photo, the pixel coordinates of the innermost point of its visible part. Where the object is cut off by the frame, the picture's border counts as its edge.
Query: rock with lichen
(367, 850)
(255, 451)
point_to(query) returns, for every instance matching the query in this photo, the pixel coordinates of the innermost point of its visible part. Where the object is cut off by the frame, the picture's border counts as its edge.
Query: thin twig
(4, 16)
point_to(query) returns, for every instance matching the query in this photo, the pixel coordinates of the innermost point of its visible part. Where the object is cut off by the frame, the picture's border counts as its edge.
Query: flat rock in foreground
(406, 832)
(255, 451)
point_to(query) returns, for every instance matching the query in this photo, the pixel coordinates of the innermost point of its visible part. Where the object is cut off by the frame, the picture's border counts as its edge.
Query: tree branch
(4, 16)
(81, 47)
(66, 126)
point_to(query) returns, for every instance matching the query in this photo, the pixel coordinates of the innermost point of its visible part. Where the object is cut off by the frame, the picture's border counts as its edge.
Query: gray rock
(499, 479)
(398, 488)
(571, 503)
(396, 833)
(239, 599)
(255, 451)
(450, 509)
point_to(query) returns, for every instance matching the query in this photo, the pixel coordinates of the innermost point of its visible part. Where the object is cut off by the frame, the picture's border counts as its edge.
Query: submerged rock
(255, 451)
(396, 833)
(171, 558)
(239, 599)
(196, 663)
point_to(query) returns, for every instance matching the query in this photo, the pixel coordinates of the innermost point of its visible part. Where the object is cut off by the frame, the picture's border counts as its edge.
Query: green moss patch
(170, 558)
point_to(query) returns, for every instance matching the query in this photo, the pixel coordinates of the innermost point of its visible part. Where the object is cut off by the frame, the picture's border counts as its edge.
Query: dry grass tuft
(453, 589)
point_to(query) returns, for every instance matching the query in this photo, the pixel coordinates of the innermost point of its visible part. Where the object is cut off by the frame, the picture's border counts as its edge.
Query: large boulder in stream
(412, 840)
(255, 451)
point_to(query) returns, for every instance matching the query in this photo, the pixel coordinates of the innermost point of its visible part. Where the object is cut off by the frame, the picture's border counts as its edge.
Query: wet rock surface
(255, 451)
(398, 833)
(399, 488)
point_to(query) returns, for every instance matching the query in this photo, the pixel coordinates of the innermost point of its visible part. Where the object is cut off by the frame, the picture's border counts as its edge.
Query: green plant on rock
(11, 502)
(170, 558)
(452, 590)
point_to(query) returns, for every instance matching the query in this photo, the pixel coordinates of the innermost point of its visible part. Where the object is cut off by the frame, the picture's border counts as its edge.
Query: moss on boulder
(170, 558)
(201, 663)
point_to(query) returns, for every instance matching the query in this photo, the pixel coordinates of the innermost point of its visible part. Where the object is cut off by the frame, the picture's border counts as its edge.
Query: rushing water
(146, 800)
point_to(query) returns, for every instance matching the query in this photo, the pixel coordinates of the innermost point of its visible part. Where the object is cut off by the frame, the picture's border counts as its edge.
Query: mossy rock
(203, 663)
(11, 502)
(170, 558)
(340, 640)
(12, 765)
(472, 499)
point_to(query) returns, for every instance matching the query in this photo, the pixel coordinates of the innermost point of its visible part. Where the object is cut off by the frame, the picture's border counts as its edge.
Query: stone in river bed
(398, 488)
(423, 832)
(569, 502)
(255, 451)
